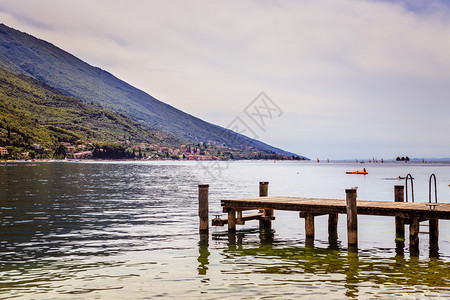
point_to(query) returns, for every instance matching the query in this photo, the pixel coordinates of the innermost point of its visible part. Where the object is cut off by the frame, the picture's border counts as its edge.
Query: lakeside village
(142, 151)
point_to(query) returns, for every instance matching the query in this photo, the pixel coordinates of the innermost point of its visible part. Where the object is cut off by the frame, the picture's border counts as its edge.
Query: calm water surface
(129, 230)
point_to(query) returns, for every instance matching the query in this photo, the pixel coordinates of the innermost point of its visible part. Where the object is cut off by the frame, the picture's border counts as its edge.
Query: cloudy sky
(353, 78)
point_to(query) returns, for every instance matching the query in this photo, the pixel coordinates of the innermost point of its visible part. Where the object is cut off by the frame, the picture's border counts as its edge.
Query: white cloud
(351, 70)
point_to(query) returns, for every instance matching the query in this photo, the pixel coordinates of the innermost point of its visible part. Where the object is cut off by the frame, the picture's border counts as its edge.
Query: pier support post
(309, 225)
(434, 231)
(434, 237)
(265, 222)
(239, 219)
(414, 237)
(203, 207)
(332, 224)
(332, 231)
(309, 230)
(352, 220)
(231, 220)
(399, 196)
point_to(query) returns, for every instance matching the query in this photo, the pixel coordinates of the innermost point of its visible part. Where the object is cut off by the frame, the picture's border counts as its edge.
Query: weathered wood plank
(224, 221)
(303, 214)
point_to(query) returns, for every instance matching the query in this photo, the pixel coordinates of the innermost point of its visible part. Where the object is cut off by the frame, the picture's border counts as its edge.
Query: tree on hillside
(60, 152)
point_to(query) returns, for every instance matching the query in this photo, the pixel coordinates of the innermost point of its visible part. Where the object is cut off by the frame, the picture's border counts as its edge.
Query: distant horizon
(393, 159)
(347, 81)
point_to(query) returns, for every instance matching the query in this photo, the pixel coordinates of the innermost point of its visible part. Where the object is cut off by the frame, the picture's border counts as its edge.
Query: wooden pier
(404, 212)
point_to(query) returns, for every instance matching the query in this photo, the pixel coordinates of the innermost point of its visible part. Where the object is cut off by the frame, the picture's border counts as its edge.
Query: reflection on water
(359, 274)
(130, 230)
(203, 249)
(58, 219)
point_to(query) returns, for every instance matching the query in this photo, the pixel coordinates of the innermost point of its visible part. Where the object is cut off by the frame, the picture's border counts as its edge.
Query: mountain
(38, 121)
(24, 54)
(32, 112)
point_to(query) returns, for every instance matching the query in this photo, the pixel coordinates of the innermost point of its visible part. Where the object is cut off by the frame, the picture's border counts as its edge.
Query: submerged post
(434, 230)
(332, 231)
(399, 196)
(203, 209)
(434, 237)
(414, 237)
(352, 220)
(332, 224)
(309, 230)
(231, 220)
(309, 225)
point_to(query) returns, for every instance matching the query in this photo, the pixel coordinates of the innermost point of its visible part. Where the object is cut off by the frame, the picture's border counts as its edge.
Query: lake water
(129, 230)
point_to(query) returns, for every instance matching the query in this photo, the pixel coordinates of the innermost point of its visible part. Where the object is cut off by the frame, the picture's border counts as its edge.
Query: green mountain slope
(24, 54)
(34, 113)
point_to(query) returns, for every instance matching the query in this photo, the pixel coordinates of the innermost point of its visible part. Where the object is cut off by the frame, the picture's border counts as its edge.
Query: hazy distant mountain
(24, 54)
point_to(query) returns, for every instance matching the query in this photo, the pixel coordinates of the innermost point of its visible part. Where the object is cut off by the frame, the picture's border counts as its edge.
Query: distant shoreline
(414, 161)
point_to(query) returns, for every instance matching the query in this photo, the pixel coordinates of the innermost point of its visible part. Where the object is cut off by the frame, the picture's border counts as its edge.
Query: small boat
(357, 172)
(400, 177)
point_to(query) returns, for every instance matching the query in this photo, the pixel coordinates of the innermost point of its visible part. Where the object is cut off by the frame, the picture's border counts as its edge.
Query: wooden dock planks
(329, 206)
(404, 212)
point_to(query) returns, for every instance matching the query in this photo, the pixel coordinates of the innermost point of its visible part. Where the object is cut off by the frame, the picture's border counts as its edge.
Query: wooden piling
(203, 207)
(414, 232)
(434, 237)
(231, 219)
(332, 231)
(309, 225)
(265, 222)
(332, 223)
(399, 196)
(239, 218)
(414, 237)
(352, 220)
(309, 230)
(434, 231)
(263, 188)
(309, 242)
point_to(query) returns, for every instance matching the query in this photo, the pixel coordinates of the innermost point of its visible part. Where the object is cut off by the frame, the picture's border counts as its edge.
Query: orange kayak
(357, 172)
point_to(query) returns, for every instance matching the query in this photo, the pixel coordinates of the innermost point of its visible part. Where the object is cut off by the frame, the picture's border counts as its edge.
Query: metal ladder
(432, 179)
(406, 187)
(435, 189)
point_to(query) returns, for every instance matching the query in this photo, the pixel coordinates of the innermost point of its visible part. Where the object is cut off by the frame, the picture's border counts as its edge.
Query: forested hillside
(33, 113)
(24, 54)
(38, 121)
